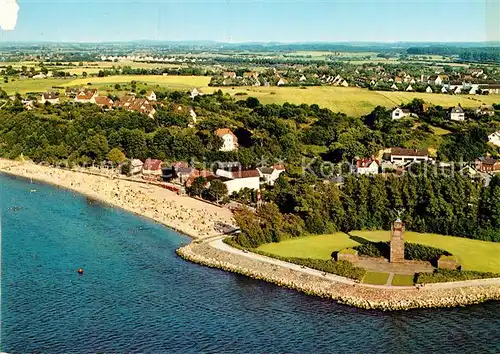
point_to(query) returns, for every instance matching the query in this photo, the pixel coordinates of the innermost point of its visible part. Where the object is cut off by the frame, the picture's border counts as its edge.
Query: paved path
(218, 244)
(389, 279)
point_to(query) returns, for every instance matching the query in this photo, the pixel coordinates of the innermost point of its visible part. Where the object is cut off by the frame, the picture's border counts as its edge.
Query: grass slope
(474, 255)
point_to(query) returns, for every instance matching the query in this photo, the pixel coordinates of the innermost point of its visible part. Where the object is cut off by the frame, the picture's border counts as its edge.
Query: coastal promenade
(190, 216)
(217, 254)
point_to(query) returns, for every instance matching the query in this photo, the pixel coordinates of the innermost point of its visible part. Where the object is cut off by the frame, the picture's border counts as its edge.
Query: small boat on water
(33, 191)
(80, 271)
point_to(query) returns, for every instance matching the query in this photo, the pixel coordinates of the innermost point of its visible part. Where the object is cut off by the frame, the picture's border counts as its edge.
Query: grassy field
(41, 85)
(375, 278)
(350, 100)
(473, 254)
(402, 280)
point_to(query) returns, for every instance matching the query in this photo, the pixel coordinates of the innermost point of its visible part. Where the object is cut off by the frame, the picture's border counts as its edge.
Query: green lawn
(474, 255)
(402, 280)
(375, 278)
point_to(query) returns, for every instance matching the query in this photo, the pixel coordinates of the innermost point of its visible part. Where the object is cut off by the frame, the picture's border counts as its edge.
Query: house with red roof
(152, 167)
(85, 95)
(368, 166)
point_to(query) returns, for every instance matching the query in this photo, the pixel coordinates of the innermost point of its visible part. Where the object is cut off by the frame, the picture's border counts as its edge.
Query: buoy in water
(80, 271)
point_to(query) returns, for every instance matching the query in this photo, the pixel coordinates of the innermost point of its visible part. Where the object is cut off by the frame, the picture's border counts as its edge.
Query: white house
(229, 140)
(495, 138)
(151, 95)
(400, 156)
(409, 88)
(399, 113)
(135, 166)
(366, 167)
(39, 76)
(86, 95)
(196, 92)
(457, 114)
(237, 180)
(429, 89)
(394, 87)
(281, 82)
(270, 174)
(444, 90)
(50, 97)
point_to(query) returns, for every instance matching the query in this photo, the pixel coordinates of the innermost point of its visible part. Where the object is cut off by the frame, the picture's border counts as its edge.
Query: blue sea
(136, 295)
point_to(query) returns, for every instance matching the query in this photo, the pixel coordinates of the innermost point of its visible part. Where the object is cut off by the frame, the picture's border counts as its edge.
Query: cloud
(8, 14)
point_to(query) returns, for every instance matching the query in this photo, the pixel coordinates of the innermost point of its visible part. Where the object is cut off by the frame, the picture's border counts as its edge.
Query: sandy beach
(184, 214)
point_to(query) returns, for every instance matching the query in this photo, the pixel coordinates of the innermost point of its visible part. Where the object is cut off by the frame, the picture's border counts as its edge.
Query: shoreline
(188, 216)
(339, 289)
(206, 249)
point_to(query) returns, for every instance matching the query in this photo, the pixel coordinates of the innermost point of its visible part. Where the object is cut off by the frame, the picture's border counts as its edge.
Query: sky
(256, 20)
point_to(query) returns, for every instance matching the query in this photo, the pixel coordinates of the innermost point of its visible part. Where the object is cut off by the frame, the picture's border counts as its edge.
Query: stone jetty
(358, 295)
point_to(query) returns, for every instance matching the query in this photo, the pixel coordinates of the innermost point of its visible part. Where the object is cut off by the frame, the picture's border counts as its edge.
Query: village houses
(152, 167)
(135, 166)
(487, 164)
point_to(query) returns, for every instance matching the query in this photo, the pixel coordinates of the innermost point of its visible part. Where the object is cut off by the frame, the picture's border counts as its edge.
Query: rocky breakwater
(358, 295)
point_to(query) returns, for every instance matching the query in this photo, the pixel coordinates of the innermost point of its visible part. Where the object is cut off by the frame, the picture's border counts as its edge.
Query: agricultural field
(351, 100)
(474, 255)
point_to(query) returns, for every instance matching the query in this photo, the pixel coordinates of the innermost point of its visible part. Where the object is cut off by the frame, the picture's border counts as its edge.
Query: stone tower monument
(397, 242)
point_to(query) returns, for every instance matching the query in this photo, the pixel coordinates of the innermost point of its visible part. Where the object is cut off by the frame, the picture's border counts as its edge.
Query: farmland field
(473, 254)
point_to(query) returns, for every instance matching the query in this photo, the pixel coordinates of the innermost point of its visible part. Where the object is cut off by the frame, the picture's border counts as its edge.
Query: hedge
(447, 275)
(413, 251)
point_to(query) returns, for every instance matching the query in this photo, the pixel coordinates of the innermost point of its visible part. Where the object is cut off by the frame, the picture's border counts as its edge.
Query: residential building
(366, 166)
(409, 88)
(281, 82)
(178, 108)
(486, 110)
(141, 105)
(152, 167)
(457, 114)
(151, 95)
(49, 97)
(402, 156)
(487, 164)
(494, 138)
(196, 92)
(399, 113)
(135, 166)
(229, 140)
(102, 101)
(269, 175)
(238, 180)
(429, 89)
(85, 95)
(229, 75)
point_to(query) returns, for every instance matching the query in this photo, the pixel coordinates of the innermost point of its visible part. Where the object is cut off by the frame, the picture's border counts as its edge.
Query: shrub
(342, 268)
(413, 251)
(447, 275)
(418, 252)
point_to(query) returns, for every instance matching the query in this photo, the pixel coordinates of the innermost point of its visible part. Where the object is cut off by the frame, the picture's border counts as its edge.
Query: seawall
(358, 295)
